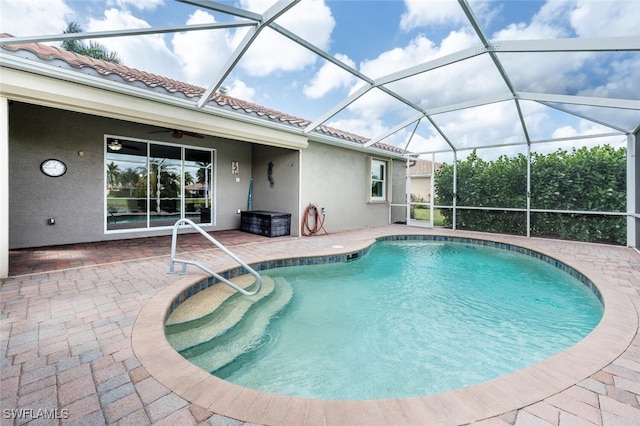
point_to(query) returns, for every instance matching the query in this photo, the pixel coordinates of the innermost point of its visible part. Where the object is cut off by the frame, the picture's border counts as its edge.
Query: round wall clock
(53, 167)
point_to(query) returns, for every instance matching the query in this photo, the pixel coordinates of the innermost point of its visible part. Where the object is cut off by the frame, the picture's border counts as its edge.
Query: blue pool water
(414, 318)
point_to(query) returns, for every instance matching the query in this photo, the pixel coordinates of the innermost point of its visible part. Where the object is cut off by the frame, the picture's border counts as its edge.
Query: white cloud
(374, 105)
(149, 53)
(456, 41)
(437, 87)
(310, 19)
(564, 132)
(605, 19)
(489, 124)
(476, 78)
(367, 129)
(587, 73)
(419, 50)
(240, 90)
(541, 119)
(584, 128)
(257, 6)
(142, 5)
(581, 18)
(559, 73)
(547, 23)
(23, 18)
(420, 143)
(203, 53)
(330, 77)
(623, 79)
(422, 12)
(312, 22)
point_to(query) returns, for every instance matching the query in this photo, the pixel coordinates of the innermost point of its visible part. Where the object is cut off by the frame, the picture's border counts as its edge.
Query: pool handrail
(204, 268)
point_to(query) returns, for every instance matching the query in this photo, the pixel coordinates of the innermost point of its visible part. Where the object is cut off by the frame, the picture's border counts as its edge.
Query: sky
(376, 38)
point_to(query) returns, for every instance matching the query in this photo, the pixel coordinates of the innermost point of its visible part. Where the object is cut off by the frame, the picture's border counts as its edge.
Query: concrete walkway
(67, 349)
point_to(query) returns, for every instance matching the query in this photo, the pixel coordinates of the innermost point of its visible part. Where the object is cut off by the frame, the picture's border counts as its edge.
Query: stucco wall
(421, 187)
(281, 194)
(399, 191)
(76, 200)
(338, 180)
(331, 177)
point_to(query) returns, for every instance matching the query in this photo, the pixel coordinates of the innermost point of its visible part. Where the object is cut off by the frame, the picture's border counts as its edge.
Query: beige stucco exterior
(338, 181)
(48, 117)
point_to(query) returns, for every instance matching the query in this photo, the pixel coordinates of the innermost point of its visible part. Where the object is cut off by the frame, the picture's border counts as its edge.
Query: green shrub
(585, 179)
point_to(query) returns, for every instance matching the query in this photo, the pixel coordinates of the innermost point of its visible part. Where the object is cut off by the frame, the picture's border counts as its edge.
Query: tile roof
(422, 167)
(128, 75)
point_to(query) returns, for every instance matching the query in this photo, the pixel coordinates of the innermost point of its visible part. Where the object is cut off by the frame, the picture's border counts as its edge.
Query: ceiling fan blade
(179, 133)
(193, 135)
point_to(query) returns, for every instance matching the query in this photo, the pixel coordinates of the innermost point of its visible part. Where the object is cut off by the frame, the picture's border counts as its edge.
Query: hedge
(585, 179)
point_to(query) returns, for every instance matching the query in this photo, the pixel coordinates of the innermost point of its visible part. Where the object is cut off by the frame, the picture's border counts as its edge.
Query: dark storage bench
(271, 224)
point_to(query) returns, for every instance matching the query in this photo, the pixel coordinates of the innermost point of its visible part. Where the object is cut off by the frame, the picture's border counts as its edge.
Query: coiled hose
(312, 216)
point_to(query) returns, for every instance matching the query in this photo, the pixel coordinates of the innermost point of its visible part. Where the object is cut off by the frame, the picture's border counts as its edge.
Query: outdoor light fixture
(114, 145)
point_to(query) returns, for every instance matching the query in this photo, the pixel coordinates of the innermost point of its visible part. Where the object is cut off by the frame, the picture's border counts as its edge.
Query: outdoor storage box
(271, 224)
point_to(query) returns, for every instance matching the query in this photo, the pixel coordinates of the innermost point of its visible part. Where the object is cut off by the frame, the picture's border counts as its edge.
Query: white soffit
(136, 106)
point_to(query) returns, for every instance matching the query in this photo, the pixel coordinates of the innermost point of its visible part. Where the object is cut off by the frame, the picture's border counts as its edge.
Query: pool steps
(219, 352)
(202, 327)
(209, 313)
(206, 301)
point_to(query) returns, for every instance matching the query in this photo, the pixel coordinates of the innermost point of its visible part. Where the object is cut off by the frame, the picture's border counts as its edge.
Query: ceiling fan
(117, 145)
(180, 133)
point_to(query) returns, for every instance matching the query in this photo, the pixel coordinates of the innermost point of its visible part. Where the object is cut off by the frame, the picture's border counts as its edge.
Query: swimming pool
(395, 323)
(544, 382)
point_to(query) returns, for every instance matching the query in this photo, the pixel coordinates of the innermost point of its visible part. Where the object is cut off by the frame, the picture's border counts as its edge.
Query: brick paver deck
(68, 315)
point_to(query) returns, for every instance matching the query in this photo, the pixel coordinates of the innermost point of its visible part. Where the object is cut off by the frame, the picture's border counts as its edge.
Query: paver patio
(68, 314)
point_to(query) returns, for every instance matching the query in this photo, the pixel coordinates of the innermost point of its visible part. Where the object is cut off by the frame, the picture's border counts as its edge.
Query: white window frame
(148, 228)
(376, 163)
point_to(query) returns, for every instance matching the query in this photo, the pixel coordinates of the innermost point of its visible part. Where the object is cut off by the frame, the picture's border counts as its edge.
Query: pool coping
(524, 387)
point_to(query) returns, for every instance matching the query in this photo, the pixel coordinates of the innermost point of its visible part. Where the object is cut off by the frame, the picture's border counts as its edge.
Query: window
(150, 185)
(378, 180)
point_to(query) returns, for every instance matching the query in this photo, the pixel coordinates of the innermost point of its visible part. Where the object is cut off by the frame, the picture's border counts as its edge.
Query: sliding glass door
(198, 177)
(151, 185)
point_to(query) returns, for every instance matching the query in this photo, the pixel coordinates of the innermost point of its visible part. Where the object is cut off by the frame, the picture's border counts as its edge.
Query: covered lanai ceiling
(425, 76)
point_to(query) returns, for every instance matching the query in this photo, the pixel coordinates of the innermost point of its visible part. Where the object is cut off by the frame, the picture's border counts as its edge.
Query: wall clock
(53, 167)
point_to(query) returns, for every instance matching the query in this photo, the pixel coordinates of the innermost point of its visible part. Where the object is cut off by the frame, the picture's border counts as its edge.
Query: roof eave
(18, 63)
(330, 140)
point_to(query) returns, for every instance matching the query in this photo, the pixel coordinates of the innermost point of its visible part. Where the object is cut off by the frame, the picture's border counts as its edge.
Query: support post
(633, 186)
(455, 187)
(432, 190)
(4, 188)
(528, 190)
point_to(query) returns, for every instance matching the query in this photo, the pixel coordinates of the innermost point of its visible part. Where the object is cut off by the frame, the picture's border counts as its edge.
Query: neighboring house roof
(138, 78)
(422, 167)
